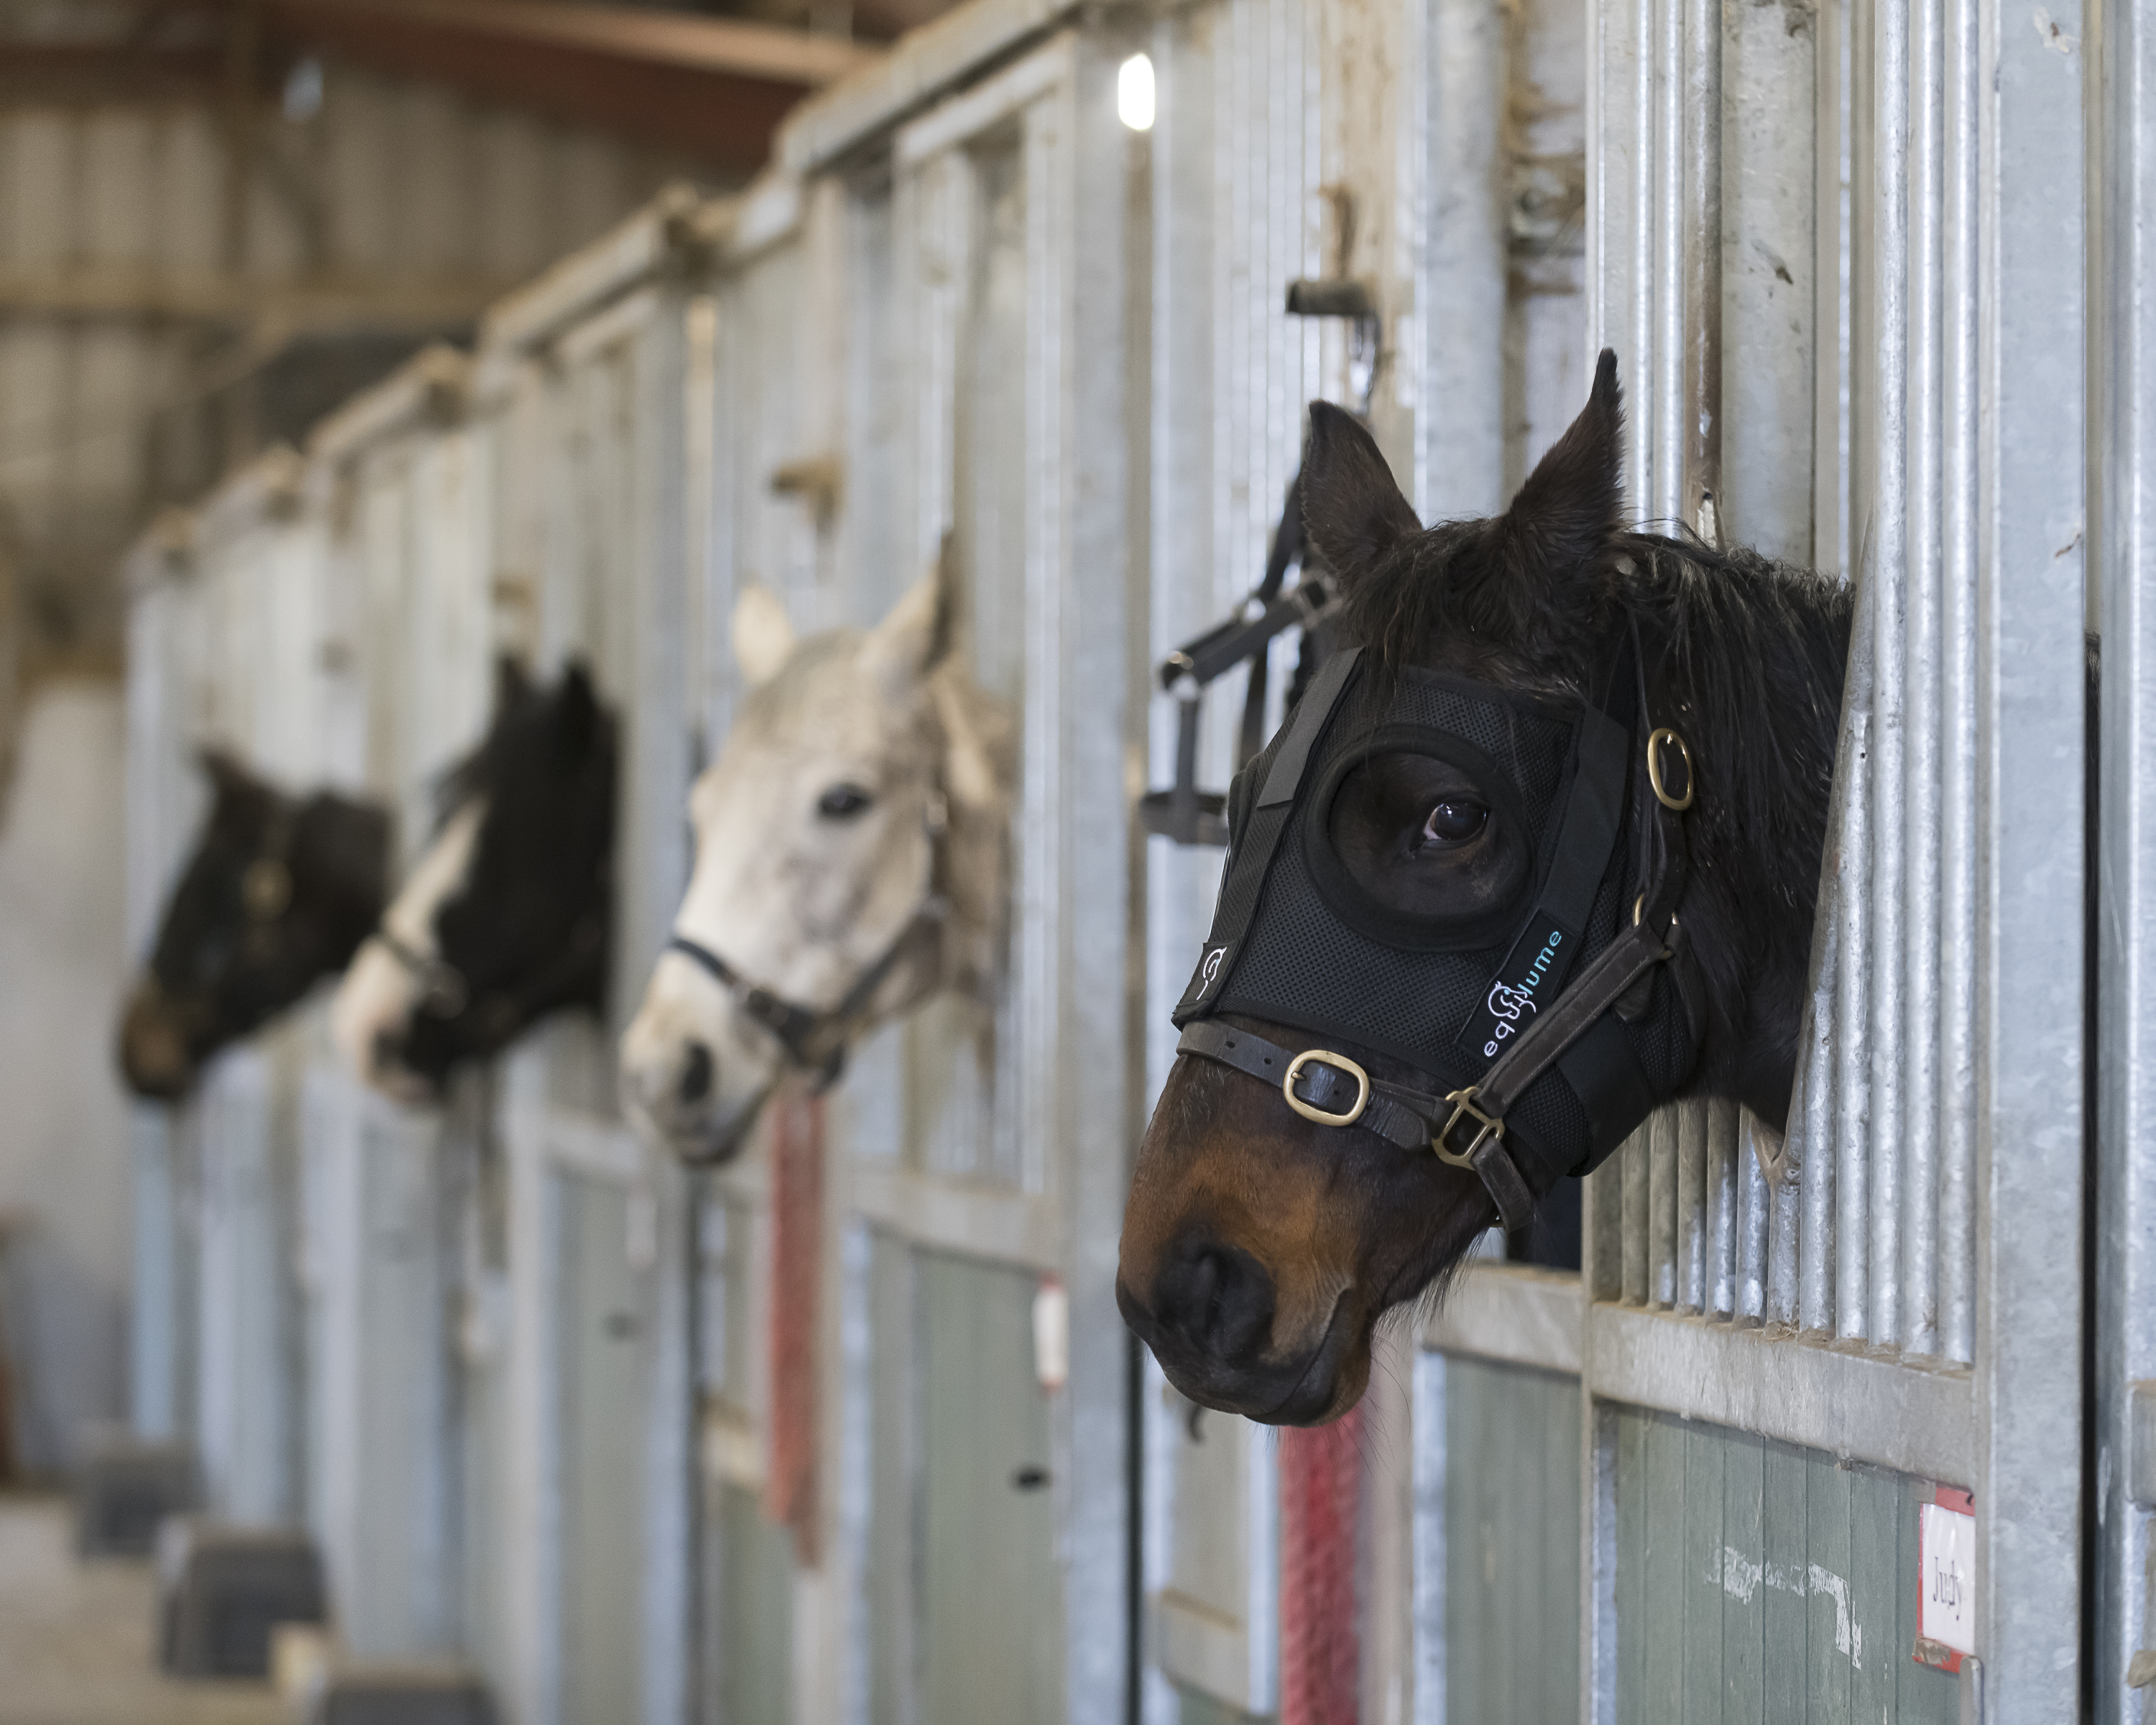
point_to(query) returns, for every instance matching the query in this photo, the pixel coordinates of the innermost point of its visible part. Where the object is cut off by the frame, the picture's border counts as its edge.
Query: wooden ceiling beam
(711, 88)
(71, 72)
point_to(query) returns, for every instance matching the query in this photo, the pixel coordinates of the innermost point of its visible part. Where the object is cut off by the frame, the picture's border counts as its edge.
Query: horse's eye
(843, 802)
(1454, 823)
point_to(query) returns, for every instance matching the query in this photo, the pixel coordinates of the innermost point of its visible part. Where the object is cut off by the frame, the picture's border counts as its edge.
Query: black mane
(1752, 655)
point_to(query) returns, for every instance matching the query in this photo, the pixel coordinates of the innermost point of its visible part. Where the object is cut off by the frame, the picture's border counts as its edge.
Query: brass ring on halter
(1339, 1063)
(1488, 1126)
(1655, 739)
(266, 889)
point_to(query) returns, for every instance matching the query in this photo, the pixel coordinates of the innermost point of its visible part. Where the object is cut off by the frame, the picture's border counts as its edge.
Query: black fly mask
(1551, 1018)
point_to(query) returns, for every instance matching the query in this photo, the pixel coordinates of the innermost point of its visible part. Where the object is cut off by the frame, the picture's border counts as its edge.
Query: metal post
(2123, 550)
(2031, 502)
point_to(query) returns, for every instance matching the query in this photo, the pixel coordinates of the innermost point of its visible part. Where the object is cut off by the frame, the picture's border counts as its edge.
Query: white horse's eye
(843, 802)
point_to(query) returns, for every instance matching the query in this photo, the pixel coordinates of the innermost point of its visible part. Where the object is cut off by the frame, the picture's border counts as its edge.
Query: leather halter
(817, 1040)
(1466, 1126)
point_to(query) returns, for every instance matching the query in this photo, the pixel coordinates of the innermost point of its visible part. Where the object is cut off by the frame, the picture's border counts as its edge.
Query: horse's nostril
(695, 1073)
(1219, 1297)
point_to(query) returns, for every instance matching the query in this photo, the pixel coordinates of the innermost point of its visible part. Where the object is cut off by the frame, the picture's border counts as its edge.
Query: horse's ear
(512, 685)
(577, 713)
(1574, 500)
(763, 635)
(226, 777)
(1351, 510)
(911, 641)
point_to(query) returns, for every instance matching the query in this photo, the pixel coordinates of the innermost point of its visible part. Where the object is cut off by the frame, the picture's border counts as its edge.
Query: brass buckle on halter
(1339, 1063)
(1663, 794)
(1490, 1129)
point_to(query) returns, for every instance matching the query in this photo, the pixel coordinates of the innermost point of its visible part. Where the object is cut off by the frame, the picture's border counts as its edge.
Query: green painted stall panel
(749, 1592)
(990, 1605)
(1759, 1584)
(605, 1368)
(1199, 1708)
(1511, 1544)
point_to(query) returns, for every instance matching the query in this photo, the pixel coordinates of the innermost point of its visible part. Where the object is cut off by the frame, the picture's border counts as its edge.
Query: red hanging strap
(796, 1270)
(1321, 1478)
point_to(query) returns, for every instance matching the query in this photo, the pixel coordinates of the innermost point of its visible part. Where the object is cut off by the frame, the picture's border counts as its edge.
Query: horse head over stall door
(1538, 850)
(852, 851)
(506, 917)
(277, 893)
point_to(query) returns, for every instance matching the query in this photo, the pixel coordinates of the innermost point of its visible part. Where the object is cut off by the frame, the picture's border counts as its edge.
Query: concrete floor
(76, 1645)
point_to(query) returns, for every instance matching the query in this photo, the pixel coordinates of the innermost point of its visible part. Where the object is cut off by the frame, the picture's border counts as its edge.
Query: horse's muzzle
(1211, 1326)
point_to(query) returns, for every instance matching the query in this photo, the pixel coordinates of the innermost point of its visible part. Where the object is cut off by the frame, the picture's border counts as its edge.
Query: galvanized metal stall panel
(2121, 52)
(1290, 143)
(398, 485)
(757, 1613)
(1848, 324)
(164, 805)
(911, 336)
(591, 383)
(271, 699)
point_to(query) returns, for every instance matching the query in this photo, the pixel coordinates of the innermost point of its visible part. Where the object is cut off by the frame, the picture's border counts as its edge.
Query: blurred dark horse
(1262, 1242)
(507, 916)
(280, 891)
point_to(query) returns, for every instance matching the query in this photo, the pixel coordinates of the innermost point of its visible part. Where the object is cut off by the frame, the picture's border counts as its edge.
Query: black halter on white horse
(1537, 1077)
(817, 1040)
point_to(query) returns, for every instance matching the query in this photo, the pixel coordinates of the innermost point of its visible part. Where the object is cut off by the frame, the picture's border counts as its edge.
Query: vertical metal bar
(1598, 1560)
(1666, 415)
(1700, 162)
(1835, 534)
(1662, 1157)
(1917, 1308)
(1688, 1124)
(153, 1401)
(1462, 386)
(1634, 1158)
(1838, 966)
(1719, 1295)
(1427, 1465)
(1957, 580)
(1749, 1294)
(2030, 519)
(2122, 545)
(1642, 255)
(1097, 307)
(1771, 310)
(1602, 1227)
(1872, 1201)
(1850, 1146)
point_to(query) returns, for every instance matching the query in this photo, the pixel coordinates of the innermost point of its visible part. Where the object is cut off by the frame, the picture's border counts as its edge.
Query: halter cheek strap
(815, 1041)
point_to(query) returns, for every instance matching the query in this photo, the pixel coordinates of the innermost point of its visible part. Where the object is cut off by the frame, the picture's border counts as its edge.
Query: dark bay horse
(1567, 800)
(507, 916)
(278, 892)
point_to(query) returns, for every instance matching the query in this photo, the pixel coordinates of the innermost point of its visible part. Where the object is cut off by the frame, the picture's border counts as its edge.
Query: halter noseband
(443, 991)
(815, 1041)
(1466, 1126)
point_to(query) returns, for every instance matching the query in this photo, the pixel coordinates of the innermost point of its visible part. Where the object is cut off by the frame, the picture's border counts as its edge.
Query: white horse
(852, 858)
